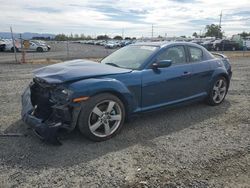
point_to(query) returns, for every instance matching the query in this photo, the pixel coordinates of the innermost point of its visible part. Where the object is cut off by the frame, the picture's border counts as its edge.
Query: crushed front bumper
(45, 130)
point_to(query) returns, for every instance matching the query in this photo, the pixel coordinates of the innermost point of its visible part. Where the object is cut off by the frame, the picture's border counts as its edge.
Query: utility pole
(13, 43)
(152, 31)
(219, 24)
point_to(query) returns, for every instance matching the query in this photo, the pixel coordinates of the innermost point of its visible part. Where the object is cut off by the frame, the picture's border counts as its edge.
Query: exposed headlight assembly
(61, 95)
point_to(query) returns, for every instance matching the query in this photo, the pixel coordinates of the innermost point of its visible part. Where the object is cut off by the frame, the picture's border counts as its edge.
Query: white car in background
(2, 45)
(111, 45)
(246, 42)
(41, 43)
(9, 45)
(37, 46)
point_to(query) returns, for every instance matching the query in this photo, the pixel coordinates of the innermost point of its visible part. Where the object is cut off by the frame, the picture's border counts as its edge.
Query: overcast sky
(174, 17)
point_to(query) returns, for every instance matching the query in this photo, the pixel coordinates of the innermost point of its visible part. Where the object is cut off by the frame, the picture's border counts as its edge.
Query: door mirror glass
(162, 64)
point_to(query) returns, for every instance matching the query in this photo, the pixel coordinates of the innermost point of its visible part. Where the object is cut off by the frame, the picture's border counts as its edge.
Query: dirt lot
(59, 52)
(191, 146)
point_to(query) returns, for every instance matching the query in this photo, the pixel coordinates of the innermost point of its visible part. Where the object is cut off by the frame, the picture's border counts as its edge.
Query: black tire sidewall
(39, 49)
(86, 109)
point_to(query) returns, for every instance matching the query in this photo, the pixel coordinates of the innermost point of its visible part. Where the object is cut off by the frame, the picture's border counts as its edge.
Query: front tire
(101, 117)
(218, 91)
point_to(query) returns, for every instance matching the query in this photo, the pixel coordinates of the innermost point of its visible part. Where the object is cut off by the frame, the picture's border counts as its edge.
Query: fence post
(13, 43)
(67, 49)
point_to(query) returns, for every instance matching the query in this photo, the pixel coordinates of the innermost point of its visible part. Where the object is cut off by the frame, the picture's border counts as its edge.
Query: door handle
(186, 73)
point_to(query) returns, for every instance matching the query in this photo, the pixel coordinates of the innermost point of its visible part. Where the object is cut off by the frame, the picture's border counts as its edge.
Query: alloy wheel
(105, 118)
(219, 90)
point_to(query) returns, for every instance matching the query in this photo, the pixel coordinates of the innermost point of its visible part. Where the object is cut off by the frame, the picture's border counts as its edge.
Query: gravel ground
(191, 146)
(59, 52)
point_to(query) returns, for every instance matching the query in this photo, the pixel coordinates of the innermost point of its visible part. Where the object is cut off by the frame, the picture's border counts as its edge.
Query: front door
(167, 85)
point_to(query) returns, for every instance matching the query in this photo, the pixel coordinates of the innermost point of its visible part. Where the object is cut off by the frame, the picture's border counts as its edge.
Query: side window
(195, 54)
(175, 54)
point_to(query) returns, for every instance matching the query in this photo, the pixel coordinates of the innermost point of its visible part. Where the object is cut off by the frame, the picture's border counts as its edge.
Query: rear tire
(12, 49)
(218, 91)
(101, 117)
(39, 49)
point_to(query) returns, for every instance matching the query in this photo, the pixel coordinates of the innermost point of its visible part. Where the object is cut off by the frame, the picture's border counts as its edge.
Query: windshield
(130, 57)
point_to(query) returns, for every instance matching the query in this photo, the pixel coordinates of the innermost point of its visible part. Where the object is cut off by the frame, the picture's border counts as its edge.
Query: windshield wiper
(112, 64)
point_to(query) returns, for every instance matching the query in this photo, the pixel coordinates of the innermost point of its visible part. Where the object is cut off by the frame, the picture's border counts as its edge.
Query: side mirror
(162, 64)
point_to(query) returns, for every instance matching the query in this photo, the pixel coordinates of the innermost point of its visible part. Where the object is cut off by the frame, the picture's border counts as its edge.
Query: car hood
(76, 70)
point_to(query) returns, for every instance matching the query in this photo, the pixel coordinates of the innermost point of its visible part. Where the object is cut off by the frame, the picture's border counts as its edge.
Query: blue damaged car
(98, 97)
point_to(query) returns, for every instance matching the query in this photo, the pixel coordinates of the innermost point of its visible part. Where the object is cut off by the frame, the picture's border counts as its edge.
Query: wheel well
(119, 96)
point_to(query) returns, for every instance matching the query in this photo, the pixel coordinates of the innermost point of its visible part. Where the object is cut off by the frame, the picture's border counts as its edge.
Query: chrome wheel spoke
(115, 117)
(97, 111)
(220, 96)
(220, 83)
(110, 106)
(223, 89)
(215, 96)
(216, 88)
(107, 128)
(96, 125)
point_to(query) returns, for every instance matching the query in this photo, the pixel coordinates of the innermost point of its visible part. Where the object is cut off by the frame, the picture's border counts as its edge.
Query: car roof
(163, 44)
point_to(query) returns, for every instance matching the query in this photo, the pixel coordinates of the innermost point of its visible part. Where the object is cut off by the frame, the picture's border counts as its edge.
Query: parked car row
(108, 43)
(2, 46)
(221, 45)
(31, 45)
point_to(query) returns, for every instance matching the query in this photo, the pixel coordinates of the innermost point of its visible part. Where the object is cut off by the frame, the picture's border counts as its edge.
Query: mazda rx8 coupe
(98, 97)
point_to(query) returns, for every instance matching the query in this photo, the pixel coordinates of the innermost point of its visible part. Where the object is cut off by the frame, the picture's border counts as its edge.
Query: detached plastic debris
(11, 134)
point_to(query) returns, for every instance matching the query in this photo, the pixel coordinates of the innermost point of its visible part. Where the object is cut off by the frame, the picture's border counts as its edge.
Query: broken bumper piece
(44, 130)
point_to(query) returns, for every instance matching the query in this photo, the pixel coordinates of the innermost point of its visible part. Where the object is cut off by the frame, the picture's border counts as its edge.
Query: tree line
(63, 37)
(212, 30)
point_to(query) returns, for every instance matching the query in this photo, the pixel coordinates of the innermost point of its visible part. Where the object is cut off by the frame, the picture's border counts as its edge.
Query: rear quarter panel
(219, 69)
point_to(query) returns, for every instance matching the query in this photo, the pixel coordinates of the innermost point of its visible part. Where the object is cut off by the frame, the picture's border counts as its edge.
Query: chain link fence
(60, 51)
(67, 50)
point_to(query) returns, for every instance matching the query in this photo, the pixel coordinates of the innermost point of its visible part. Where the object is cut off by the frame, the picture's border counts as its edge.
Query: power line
(220, 19)
(219, 29)
(152, 30)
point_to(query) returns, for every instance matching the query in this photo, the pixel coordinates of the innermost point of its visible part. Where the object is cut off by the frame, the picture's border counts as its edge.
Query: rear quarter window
(196, 54)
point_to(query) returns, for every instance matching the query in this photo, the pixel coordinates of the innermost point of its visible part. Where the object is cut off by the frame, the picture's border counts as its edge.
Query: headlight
(61, 95)
(66, 92)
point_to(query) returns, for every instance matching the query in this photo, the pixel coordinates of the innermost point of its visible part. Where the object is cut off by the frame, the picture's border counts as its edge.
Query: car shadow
(30, 152)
